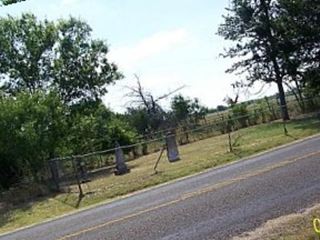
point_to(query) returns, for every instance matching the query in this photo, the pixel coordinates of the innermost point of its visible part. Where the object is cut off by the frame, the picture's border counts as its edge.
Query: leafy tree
(32, 129)
(253, 26)
(25, 53)
(81, 70)
(301, 28)
(311, 81)
(139, 119)
(44, 55)
(240, 114)
(186, 110)
(97, 129)
(52, 78)
(181, 108)
(198, 111)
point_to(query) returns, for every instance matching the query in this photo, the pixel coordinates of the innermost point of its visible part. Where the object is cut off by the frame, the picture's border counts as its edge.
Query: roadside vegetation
(196, 157)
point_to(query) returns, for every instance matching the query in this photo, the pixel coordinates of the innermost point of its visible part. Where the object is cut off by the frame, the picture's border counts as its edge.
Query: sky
(167, 43)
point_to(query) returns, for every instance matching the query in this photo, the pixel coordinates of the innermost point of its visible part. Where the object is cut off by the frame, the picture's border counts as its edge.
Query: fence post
(81, 195)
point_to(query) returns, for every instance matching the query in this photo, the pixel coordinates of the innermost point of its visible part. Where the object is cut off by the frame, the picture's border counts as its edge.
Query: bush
(240, 115)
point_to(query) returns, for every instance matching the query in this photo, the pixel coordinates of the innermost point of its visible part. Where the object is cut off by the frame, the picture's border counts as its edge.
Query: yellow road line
(192, 194)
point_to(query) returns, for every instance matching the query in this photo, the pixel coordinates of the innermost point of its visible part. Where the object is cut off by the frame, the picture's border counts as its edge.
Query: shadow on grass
(6, 213)
(10, 205)
(309, 124)
(23, 198)
(238, 153)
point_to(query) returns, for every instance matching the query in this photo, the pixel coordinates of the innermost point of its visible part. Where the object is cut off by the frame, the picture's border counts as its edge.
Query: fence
(74, 170)
(68, 174)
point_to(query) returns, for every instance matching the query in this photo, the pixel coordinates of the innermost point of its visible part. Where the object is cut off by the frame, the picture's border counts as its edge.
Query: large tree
(46, 55)
(298, 29)
(300, 24)
(252, 25)
(81, 69)
(26, 52)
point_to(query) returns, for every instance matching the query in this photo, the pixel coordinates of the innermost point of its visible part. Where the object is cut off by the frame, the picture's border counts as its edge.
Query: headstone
(172, 148)
(121, 167)
(54, 169)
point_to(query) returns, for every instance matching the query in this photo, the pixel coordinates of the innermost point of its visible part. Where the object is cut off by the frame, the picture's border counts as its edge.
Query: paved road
(218, 204)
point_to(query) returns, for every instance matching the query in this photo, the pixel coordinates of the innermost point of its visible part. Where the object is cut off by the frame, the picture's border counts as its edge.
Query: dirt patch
(296, 226)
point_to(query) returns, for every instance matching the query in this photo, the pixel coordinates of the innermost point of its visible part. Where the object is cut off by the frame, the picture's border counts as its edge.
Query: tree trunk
(273, 57)
(283, 103)
(300, 95)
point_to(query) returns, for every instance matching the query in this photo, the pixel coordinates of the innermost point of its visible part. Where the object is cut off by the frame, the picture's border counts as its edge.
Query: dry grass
(196, 157)
(290, 227)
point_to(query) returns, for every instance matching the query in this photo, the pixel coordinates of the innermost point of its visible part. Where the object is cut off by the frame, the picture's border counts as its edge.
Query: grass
(290, 227)
(196, 157)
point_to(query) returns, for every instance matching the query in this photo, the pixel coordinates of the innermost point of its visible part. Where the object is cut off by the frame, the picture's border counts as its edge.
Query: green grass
(196, 157)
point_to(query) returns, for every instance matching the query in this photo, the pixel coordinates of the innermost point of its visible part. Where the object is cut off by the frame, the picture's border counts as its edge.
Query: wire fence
(77, 169)
(70, 173)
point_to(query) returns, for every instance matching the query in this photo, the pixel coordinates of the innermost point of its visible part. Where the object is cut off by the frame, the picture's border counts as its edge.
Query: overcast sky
(168, 43)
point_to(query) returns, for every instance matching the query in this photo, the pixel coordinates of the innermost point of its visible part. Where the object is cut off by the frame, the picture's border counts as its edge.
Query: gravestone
(121, 167)
(172, 148)
(54, 169)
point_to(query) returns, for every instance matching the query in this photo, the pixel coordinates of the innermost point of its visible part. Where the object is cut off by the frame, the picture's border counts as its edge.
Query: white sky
(168, 43)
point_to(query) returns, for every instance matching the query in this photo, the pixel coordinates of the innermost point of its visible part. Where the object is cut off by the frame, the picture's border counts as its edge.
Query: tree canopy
(186, 110)
(47, 55)
(53, 75)
(275, 41)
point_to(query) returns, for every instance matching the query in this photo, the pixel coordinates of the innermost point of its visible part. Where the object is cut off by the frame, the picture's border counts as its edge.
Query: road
(217, 204)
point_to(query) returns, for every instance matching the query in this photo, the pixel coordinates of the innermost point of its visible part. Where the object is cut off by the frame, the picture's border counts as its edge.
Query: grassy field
(196, 157)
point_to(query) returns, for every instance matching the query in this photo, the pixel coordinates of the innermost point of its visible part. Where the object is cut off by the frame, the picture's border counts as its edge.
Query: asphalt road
(217, 204)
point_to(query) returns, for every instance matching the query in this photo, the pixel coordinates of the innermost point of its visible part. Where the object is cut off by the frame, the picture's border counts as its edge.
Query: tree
(81, 70)
(61, 56)
(198, 111)
(252, 24)
(181, 107)
(26, 50)
(139, 119)
(301, 28)
(187, 110)
(9, 2)
(32, 129)
(37, 127)
(143, 100)
(97, 128)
